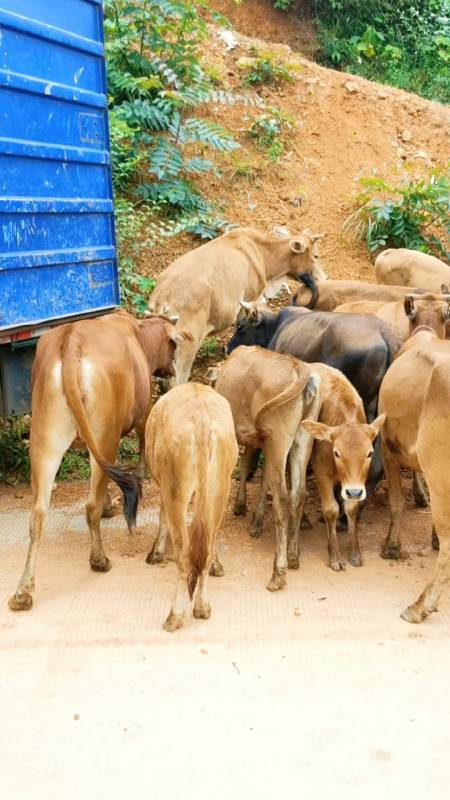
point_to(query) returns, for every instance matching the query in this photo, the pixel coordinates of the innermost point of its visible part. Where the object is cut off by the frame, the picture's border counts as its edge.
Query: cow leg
(434, 539)
(330, 510)
(429, 598)
(156, 554)
(258, 516)
(240, 506)
(94, 508)
(175, 513)
(107, 510)
(45, 456)
(275, 469)
(184, 358)
(352, 513)
(299, 456)
(420, 490)
(391, 548)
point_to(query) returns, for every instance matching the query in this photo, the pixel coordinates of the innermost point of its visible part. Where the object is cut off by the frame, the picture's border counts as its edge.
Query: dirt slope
(346, 127)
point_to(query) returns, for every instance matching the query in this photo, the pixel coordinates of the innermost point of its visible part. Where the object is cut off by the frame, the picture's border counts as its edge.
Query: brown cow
(403, 316)
(342, 456)
(415, 396)
(93, 379)
(203, 288)
(191, 452)
(327, 295)
(270, 394)
(411, 268)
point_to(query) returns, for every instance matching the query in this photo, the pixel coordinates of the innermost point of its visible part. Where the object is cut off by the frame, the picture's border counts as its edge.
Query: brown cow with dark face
(92, 379)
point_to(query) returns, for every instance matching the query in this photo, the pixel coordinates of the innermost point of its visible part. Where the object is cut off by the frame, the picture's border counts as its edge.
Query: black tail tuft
(310, 284)
(131, 488)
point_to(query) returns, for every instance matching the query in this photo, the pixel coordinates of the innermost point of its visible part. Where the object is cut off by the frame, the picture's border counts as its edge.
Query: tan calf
(327, 295)
(270, 394)
(411, 268)
(415, 396)
(191, 452)
(203, 288)
(90, 379)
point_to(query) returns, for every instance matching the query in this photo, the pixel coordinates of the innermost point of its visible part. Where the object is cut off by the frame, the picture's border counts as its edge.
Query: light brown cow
(415, 396)
(341, 454)
(403, 316)
(93, 379)
(327, 295)
(270, 394)
(203, 288)
(191, 452)
(411, 268)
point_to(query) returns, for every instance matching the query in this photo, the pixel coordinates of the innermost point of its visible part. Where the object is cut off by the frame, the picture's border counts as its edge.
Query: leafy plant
(414, 214)
(269, 129)
(209, 347)
(265, 68)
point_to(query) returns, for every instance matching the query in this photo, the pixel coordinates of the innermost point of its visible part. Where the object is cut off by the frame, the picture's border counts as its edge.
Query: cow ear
(180, 336)
(376, 425)
(251, 312)
(446, 312)
(408, 305)
(297, 246)
(318, 430)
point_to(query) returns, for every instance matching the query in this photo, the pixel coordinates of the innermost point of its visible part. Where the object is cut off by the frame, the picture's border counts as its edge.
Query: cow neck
(274, 258)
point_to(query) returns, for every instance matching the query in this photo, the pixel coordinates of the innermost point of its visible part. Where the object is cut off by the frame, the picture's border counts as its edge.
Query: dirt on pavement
(319, 689)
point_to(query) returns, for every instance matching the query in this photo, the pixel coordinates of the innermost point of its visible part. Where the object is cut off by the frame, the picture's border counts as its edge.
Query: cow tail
(293, 390)
(310, 284)
(127, 481)
(198, 530)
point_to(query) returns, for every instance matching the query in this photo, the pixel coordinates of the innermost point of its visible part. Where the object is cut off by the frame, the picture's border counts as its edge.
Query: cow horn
(317, 236)
(445, 289)
(245, 305)
(148, 313)
(174, 318)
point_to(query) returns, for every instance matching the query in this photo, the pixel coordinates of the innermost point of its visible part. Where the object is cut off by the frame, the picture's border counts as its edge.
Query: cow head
(159, 340)
(352, 447)
(254, 326)
(300, 254)
(429, 311)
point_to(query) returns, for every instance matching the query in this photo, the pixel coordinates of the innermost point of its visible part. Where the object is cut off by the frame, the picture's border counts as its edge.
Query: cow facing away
(203, 288)
(411, 268)
(92, 379)
(270, 394)
(327, 295)
(415, 396)
(191, 453)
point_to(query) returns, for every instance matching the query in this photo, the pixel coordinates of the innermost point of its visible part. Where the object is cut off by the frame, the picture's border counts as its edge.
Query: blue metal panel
(57, 245)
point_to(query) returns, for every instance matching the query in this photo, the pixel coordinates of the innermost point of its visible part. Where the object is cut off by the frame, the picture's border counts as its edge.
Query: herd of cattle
(316, 382)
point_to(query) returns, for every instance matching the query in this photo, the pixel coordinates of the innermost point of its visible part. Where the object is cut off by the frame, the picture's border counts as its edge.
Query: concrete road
(318, 691)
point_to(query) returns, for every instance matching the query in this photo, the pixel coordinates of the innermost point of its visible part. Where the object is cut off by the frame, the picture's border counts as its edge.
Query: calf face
(429, 311)
(305, 256)
(352, 446)
(159, 339)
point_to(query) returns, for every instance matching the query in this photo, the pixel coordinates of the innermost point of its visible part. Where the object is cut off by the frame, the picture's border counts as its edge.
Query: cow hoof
(414, 614)
(355, 559)
(338, 566)
(154, 557)
(20, 602)
(173, 622)
(202, 612)
(101, 566)
(256, 528)
(435, 541)
(305, 524)
(294, 563)
(240, 509)
(392, 552)
(216, 569)
(276, 582)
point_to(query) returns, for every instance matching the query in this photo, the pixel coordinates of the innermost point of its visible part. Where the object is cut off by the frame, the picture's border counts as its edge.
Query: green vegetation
(270, 131)
(263, 67)
(404, 44)
(209, 348)
(413, 214)
(155, 84)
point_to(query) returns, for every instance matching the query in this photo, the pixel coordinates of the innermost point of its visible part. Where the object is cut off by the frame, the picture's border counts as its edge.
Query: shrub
(413, 214)
(269, 131)
(265, 68)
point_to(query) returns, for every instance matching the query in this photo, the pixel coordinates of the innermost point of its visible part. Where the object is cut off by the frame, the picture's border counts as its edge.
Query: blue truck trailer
(57, 244)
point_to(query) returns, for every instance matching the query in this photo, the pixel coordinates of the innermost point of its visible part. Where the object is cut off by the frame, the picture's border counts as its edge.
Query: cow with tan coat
(270, 394)
(411, 268)
(202, 289)
(327, 295)
(415, 396)
(91, 379)
(191, 453)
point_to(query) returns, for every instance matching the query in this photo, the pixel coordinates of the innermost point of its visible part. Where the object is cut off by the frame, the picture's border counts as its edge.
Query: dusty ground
(320, 689)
